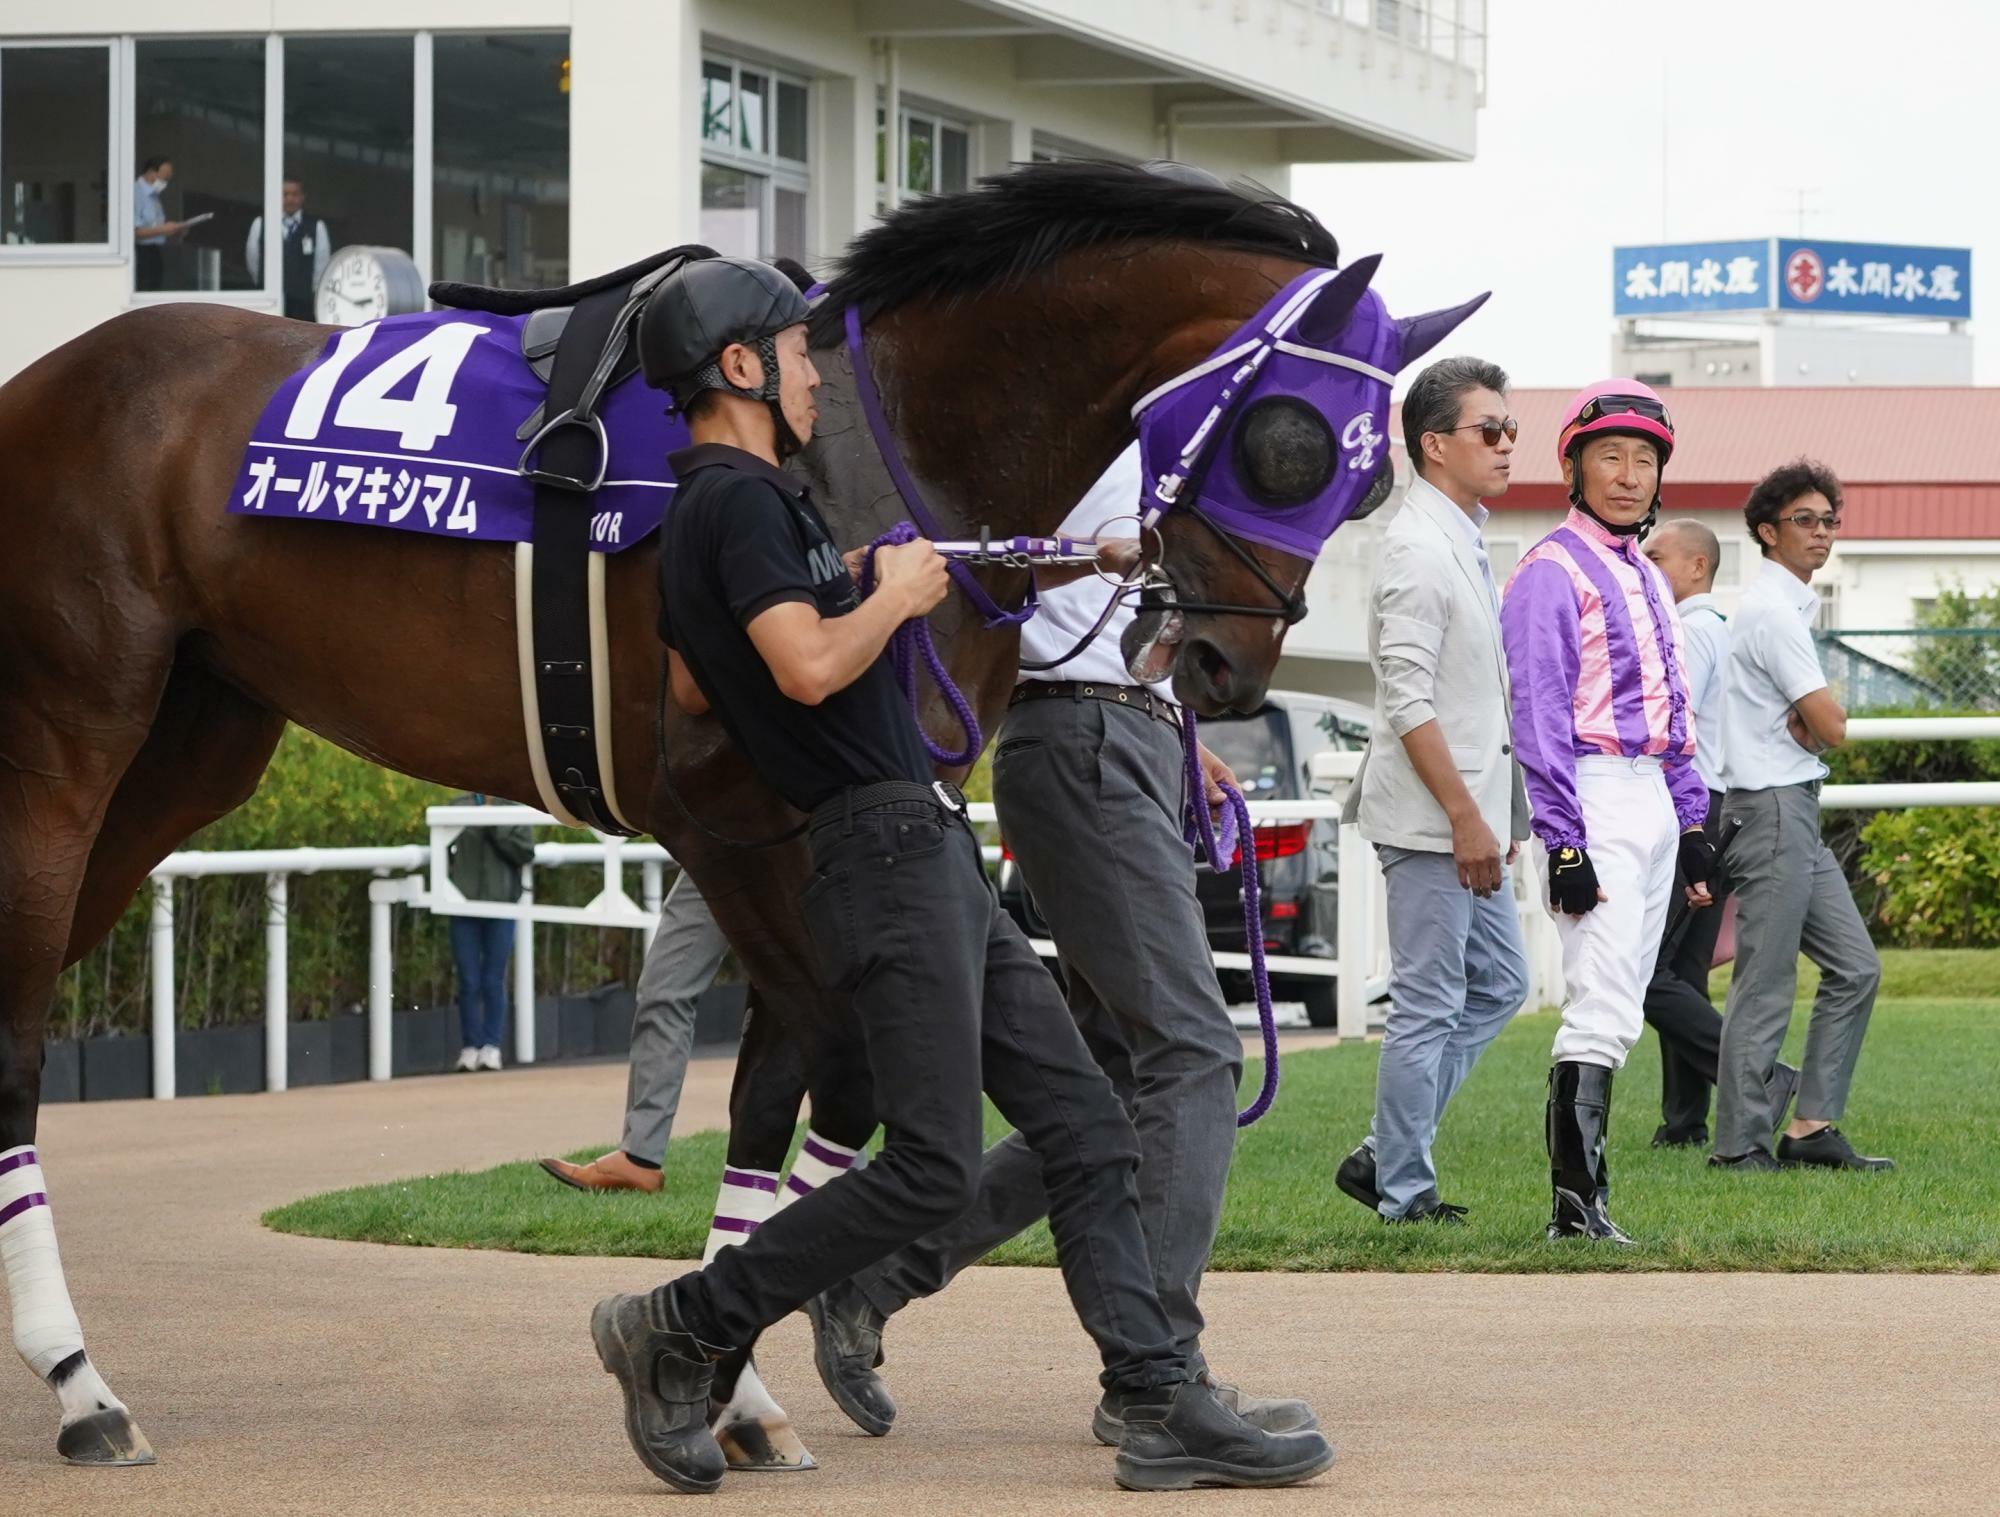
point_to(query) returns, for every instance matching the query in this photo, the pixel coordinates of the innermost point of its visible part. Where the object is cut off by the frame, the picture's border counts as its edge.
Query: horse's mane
(1009, 226)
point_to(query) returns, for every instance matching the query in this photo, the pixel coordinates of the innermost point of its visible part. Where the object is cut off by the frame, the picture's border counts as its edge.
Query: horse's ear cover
(1322, 321)
(1422, 333)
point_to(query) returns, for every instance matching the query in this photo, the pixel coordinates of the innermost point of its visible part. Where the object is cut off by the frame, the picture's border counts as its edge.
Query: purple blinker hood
(1325, 349)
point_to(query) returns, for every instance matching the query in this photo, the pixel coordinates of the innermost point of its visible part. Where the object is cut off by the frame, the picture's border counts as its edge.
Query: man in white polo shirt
(1791, 897)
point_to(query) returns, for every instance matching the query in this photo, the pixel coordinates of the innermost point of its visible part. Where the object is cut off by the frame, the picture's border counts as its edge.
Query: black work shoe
(1356, 1177)
(1428, 1208)
(1181, 1436)
(1757, 1161)
(1680, 1137)
(666, 1373)
(1827, 1149)
(1782, 1086)
(847, 1345)
(1273, 1414)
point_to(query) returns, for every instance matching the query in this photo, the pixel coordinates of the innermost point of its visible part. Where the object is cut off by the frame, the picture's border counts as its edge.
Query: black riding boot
(1579, 1117)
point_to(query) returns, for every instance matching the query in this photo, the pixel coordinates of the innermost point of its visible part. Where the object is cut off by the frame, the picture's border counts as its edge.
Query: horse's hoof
(108, 1439)
(753, 1446)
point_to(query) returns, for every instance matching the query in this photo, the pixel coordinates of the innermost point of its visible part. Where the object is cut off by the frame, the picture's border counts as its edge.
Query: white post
(524, 970)
(1357, 905)
(380, 969)
(163, 987)
(651, 894)
(276, 974)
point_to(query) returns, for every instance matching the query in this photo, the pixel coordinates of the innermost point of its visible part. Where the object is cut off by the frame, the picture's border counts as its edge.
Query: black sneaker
(1757, 1161)
(1827, 1149)
(1273, 1414)
(1356, 1177)
(666, 1374)
(847, 1345)
(1185, 1437)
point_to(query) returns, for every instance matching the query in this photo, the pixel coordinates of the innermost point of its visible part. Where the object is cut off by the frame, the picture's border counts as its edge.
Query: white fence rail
(417, 875)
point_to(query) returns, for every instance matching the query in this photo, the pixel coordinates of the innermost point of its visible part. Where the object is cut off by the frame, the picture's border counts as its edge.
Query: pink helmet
(1618, 407)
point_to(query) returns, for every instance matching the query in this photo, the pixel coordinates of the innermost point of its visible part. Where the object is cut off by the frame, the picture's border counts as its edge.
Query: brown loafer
(612, 1171)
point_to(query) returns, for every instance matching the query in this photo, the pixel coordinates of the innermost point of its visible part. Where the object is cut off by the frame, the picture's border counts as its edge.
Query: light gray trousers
(1458, 971)
(1089, 799)
(681, 963)
(1790, 899)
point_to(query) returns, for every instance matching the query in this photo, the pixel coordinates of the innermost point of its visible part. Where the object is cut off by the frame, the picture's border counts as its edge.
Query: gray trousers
(681, 963)
(1790, 898)
(1089, 797)
(1458, 971)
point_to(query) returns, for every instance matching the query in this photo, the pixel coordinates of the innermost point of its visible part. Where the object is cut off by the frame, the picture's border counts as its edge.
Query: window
(198, 148)
(1729, 563)
(937, 154)
(55, 146)
(754, 174)
(350, 112)
(500, 181)
(1827, 617)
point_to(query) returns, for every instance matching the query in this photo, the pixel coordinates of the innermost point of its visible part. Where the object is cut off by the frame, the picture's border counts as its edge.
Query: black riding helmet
(703, 307)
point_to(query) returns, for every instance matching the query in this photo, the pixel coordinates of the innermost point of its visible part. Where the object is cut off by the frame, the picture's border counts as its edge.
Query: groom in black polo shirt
(764, 626)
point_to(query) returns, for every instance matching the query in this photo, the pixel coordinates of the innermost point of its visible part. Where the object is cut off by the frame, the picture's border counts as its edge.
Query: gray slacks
(681, 963)
(1790, 898)
(1089, 796)
(1458, 971)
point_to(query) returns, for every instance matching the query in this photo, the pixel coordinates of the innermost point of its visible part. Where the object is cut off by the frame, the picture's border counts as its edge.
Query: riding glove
(1697, 857)
(1572, 881)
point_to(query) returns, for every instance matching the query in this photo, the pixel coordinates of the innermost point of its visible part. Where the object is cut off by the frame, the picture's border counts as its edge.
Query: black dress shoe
(847, 1345)
(1356, 1177)
(666, 1374)
(1428, 1208)
(1756, 1161)
(1680, 1137)
(1180, 1436)
(1827, 1149)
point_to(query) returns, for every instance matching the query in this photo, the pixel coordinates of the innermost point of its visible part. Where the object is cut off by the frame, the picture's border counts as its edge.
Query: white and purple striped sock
(820, 1160)
(747, 1197)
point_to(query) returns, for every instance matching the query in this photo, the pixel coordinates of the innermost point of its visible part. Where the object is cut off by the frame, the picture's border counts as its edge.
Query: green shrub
(1937, 873)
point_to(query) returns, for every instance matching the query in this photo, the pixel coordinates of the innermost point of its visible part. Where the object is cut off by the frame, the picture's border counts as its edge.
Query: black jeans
(949, 999)
(1677, 1002)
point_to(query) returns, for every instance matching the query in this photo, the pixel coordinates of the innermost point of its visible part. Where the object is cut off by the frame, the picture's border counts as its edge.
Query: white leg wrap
(820, 1160)
(747, 1198)
(46, 1331)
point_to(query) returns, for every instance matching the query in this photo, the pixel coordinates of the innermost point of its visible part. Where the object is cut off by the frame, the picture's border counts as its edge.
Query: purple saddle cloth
(415, 422)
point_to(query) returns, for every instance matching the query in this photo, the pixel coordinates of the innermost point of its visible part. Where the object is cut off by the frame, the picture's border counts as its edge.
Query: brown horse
(152, 648)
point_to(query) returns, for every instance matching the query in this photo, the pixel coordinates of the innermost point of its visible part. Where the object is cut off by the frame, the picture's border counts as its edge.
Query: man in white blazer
(1439, 789)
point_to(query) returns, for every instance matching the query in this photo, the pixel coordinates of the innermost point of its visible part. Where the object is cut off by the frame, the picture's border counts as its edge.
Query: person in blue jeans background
(485, 866)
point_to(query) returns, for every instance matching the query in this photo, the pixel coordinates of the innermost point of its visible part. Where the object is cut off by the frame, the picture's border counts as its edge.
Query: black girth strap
(567, 468)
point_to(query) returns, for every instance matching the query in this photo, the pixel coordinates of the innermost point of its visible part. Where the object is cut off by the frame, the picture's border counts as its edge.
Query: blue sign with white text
(1874, 279)
(1675, 278)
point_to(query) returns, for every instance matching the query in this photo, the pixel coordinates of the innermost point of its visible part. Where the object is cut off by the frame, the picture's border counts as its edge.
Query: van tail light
(1279, 842)
(1284, 911)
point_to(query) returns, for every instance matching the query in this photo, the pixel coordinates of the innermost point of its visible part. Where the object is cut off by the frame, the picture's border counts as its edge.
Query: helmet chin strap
(1637, 529)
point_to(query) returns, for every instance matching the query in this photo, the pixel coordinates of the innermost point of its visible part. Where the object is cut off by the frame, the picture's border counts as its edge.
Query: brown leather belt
(1137, 697)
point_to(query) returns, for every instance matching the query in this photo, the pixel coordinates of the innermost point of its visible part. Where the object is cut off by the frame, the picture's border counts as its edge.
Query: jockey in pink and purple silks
(1604, 730)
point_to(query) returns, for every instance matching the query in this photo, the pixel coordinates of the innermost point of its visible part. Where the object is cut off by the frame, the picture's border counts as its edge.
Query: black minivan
(1298, 862)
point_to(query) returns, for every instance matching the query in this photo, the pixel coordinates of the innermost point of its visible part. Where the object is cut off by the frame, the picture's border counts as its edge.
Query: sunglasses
(1622, 405)
(1805, 521)
(1490, 432)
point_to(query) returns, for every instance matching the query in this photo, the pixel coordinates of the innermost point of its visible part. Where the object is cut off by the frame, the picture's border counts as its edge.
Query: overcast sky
(1682, 120)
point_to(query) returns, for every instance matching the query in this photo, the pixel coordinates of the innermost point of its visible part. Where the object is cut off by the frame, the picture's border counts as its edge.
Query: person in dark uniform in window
(308, 245)
(764, 625)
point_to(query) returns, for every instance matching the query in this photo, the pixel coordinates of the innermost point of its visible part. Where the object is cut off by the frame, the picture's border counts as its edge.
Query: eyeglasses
(1806, 521)
(1490, 432)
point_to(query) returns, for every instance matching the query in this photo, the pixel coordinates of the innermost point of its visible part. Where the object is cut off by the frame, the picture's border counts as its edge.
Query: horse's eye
(1378, 491)
(1285, 451)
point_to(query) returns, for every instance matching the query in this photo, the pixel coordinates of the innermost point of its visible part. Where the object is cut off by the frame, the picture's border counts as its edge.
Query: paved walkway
(289, 1375)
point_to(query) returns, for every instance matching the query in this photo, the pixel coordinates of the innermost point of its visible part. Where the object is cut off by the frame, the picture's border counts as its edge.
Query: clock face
(354, 289)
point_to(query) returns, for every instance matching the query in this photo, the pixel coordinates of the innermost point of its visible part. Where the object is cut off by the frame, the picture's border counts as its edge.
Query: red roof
(1916, 462)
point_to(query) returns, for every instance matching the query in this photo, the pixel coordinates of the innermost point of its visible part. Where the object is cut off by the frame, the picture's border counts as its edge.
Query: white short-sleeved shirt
(1705, 658)
(1069, 611)
(1772, 664)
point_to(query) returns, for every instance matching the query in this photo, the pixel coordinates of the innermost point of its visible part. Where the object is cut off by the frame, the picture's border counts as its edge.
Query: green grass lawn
(1926, 1095)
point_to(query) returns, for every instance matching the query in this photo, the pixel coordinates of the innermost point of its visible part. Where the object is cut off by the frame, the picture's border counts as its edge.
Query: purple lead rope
(906, 644)
(1217, 844)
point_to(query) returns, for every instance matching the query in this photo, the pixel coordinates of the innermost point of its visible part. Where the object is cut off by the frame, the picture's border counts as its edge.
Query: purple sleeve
(1540, 629)
(1688, 788)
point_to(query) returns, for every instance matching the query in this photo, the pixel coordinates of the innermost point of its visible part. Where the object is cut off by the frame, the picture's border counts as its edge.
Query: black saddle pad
(479, 297)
